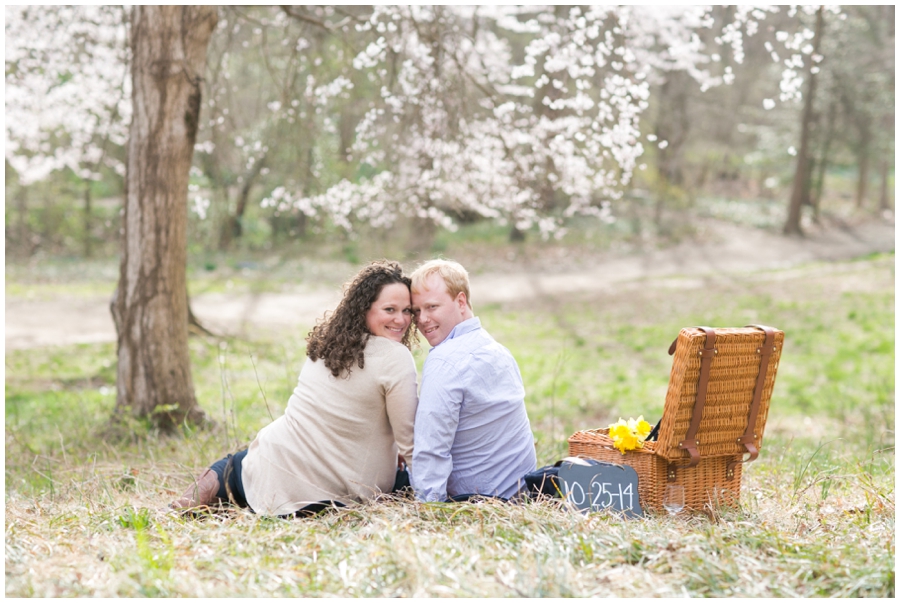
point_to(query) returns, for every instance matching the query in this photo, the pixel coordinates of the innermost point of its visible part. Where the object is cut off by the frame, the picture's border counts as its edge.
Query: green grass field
(83, 509)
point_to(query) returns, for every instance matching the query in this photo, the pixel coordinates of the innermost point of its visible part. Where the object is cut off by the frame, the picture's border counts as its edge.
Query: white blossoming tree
(68, 96)
(525, 115)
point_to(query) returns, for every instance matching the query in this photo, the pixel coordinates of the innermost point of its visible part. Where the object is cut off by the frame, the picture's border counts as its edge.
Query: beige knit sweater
(338, 438)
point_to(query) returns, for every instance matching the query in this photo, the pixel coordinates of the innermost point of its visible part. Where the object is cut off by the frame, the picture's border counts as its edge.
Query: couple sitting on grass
(350, 421)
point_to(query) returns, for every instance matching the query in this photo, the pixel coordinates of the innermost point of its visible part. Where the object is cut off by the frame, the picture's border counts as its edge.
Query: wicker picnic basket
(713, 419)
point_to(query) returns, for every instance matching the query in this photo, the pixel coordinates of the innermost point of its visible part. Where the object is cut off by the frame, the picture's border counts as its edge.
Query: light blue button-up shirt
(472, 434)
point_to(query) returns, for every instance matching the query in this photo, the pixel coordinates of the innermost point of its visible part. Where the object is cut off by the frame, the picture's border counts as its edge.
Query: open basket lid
(734, 357)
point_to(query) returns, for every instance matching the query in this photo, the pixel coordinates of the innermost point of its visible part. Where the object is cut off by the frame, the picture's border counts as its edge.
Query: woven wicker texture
(732, 381)
(705, 484)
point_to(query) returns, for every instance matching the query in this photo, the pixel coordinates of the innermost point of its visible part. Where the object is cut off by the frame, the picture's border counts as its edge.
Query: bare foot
(202, 493)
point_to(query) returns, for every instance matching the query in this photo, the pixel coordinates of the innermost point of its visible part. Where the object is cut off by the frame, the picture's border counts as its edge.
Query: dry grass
(84, 518)
(102, 532)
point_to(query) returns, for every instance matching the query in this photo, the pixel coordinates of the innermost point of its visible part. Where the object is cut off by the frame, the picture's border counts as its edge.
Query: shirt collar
(466, 326)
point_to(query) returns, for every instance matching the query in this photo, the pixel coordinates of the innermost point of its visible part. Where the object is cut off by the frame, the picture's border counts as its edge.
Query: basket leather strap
(706, 355)
(765, 352)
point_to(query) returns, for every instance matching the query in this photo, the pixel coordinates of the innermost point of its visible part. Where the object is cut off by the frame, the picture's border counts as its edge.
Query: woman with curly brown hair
(350, 415)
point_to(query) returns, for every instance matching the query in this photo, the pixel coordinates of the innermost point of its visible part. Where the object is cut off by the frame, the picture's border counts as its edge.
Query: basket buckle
(671, 473)
(729, 469)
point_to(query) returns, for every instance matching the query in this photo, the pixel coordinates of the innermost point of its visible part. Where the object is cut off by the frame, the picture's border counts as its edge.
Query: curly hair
(340, 338)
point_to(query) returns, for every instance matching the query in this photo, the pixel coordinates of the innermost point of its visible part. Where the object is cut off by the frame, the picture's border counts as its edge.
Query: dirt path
(728, 250)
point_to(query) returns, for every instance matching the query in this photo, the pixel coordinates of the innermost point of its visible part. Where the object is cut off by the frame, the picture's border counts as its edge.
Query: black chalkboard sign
(592, 485)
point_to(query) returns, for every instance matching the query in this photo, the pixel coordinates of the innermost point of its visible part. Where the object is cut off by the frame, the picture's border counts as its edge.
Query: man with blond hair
(472, 434)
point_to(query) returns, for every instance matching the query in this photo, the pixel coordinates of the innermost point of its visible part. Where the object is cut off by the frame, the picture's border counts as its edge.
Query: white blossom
(67, 89)
(458, 126)
(199, 205)
(585, 143)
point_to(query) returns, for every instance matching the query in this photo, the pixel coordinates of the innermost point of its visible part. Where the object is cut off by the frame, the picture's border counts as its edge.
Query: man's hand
(401, 462)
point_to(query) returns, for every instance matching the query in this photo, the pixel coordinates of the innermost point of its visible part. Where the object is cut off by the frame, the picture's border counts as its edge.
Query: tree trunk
(884, 199)
(865, 139)
(22, 209)
(346, 129)
(233, 227)
(822, 164)
(87, 219)
(422, 233)
(800, 190)
(169, 45)
(672, 126)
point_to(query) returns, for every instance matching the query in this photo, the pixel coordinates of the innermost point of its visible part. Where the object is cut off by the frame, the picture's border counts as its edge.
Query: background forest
(285, 96)
(609, 175)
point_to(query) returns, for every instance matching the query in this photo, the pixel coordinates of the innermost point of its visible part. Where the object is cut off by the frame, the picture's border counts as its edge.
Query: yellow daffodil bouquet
(630, 434)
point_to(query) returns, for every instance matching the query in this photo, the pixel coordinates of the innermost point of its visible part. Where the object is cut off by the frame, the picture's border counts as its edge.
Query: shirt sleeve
(401, 401)
(437, 418)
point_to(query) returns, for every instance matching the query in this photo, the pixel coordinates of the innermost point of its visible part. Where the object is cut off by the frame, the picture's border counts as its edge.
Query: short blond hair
(455, 277)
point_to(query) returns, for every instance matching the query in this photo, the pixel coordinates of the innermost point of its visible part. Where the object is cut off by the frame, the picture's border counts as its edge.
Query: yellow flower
(628, 435)
(642, 428)
(622, 436)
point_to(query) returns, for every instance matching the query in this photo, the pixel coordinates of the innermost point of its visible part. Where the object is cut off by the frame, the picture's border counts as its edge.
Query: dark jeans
(231, 486)
(229, 472)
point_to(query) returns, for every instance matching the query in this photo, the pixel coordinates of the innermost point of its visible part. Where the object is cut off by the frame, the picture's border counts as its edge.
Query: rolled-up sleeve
(437, 418)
